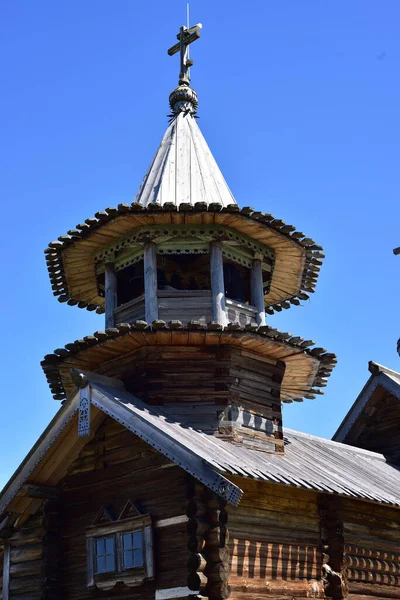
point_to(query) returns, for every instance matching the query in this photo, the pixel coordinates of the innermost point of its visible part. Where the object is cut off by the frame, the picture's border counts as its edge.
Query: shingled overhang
(71, 259)
(307, 369)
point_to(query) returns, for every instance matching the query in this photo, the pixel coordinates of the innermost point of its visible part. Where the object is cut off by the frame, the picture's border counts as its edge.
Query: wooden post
(257, 291)
(217, 283)
(110, 293)
(150, 282)
(6, 572)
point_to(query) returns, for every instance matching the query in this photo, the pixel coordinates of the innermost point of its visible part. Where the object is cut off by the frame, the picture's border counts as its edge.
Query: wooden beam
(6, 572)
(110, 293)
(217, 284)
(150, 282)
(43, 492)
(257, 291)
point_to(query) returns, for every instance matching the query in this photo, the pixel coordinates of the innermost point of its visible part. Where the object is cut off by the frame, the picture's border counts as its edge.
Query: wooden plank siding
(275, 543)
(113, 468)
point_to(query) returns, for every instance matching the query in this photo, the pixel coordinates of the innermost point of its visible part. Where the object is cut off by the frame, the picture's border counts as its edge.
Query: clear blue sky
(299, 102)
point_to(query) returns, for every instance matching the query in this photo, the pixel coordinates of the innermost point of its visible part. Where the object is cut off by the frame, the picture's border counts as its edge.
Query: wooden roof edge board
(51, 363)
(56, 248)
(38, 451)
(380, 377)
(155, 437)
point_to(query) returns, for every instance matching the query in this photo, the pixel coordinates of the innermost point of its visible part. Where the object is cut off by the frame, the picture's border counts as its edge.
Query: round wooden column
(150, 282)
(110, 281)
(217, 283)
(257, 291)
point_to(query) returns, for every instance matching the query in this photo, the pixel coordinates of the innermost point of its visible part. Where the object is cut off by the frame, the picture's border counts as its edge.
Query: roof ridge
(376, 368)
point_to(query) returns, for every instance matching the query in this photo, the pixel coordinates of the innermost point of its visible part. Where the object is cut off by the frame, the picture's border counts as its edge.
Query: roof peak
(183, 169)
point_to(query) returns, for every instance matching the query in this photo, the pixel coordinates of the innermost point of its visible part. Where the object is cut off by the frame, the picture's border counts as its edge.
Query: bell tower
(185, 279)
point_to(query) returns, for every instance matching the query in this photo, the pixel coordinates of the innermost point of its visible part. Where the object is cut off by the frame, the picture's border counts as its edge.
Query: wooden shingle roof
(71, 258)
(183, 169)
(307, 368)
(308, 462)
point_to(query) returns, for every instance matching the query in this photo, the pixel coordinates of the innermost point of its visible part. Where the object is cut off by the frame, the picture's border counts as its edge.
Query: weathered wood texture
(208, 542)
(114, 467)
(217, 283)
(130, 311)
(334, 573)
(208, 375)
(372, 550)
(303, 368)
(110, 293)
(150, 282)
(78, 263)
(185, 305)
(240, 313)
(379, 428)
(27, 569)
(257, 291)
(275, 543)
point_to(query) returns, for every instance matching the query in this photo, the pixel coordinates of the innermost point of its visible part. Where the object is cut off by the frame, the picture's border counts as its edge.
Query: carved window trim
(130, 576)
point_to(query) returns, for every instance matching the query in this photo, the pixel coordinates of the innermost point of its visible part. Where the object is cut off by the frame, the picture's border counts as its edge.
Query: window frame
(131, 576)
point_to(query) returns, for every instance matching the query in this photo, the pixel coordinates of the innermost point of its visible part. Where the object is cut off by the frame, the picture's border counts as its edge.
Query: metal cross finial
(186, 36)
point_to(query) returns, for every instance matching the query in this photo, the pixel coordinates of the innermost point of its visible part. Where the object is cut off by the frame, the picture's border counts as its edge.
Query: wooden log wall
(27, 573)
(275, 543)
(208, 536)
(334, 573)
(114, 467)
(372, 550)
(193, 375)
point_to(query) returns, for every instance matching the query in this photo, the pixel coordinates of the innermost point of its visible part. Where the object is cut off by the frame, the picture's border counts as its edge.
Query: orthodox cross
(185, 36)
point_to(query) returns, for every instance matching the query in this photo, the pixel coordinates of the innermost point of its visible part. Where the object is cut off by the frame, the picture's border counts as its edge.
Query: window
(132, 549)
(105, 555)
(120, 551)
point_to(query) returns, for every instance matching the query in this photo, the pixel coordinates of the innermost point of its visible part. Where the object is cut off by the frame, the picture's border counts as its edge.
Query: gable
(373, 422)
(379, 429)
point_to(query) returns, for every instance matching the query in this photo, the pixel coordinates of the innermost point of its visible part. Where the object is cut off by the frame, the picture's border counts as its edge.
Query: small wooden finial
(186, 36)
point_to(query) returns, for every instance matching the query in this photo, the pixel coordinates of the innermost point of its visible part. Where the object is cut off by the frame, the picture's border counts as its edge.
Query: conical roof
(183, 169)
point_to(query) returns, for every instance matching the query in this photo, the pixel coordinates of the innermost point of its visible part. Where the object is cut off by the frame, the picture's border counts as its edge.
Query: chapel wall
(275, 543)
(113, 468)
(372, 550)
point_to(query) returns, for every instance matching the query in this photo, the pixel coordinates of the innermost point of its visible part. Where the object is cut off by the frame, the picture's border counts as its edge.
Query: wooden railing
(240, 313)
(185, 306)
(131, 311)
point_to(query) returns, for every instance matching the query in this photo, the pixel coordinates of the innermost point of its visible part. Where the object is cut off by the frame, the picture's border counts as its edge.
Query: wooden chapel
(167, 473)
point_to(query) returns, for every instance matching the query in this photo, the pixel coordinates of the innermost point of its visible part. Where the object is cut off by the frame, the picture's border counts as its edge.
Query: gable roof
(381, 377)
(184, 169)
(309, 462)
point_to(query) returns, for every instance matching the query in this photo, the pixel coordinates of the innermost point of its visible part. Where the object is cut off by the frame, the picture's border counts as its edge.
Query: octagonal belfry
(183, 249)
(185, 278)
